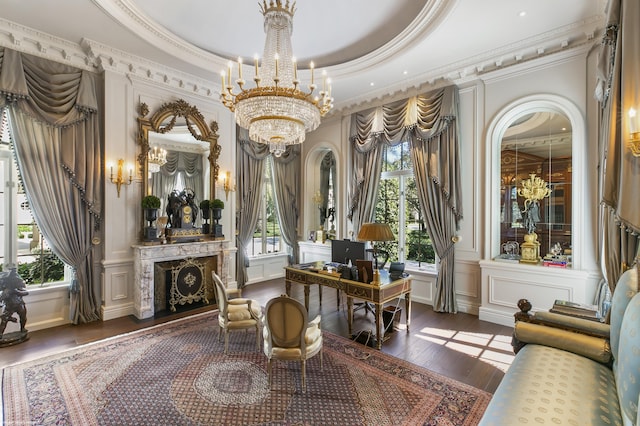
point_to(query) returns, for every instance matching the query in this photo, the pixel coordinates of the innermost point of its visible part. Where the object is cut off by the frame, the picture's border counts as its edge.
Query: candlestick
(255, 61)
(239, 68)
(276, 57)
(222, 76)
(633, 125)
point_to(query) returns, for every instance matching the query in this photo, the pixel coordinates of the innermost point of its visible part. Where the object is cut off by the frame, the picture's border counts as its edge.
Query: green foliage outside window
(46, 268)
(398, 205)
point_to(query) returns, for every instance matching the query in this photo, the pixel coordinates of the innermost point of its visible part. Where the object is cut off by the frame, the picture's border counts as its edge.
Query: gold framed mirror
(168, 116)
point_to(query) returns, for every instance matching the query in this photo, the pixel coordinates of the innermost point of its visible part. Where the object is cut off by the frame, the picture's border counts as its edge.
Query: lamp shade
(376, 232)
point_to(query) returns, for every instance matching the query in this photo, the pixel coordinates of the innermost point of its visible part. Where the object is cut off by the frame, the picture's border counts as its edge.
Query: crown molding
(561, 43)
(135, 67)
(28, 40)
(127, 14)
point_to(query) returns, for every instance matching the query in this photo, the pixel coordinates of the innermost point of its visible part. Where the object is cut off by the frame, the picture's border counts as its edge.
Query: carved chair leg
(304, 374)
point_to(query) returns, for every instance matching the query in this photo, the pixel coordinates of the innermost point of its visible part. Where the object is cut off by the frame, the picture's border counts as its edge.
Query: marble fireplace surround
(145, 257)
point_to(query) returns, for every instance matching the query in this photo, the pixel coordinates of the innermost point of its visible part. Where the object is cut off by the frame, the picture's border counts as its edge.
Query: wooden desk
(378, 295)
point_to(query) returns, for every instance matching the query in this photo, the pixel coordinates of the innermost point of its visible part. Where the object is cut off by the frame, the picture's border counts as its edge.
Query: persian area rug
(177, 374)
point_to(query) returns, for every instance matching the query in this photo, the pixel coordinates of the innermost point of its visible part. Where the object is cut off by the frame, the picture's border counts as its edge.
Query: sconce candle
(634, 135)
(119, 179)
(633, 125)
(227, 184)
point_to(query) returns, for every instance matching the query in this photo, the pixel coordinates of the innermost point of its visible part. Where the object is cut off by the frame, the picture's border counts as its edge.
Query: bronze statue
(12, 290)
(182, 208)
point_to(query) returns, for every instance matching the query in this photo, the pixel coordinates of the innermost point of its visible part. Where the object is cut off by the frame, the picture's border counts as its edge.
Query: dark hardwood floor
(459, 346)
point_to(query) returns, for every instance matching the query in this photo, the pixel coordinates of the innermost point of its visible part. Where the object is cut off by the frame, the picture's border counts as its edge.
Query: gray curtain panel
(286, 175)
(429, 123)
(327, 164)
(250, 176)
(56, 129)
(617, 90)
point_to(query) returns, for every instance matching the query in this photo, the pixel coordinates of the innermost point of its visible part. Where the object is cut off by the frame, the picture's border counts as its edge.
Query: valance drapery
(53, 111)
(429, 123)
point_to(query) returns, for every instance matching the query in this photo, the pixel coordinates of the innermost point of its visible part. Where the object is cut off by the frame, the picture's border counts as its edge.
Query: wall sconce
(634, 134)
(119, 179)
(227, 184)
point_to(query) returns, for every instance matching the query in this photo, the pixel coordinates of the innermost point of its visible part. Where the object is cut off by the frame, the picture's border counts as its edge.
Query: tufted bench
(564, 377)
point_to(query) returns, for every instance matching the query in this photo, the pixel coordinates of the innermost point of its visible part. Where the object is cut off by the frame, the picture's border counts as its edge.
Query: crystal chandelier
(277, 112)
(156, 158)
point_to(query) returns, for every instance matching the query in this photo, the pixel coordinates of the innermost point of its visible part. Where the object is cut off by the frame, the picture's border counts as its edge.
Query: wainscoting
(266, 267)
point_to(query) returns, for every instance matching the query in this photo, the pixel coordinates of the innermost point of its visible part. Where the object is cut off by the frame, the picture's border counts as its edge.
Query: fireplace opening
(182, 285)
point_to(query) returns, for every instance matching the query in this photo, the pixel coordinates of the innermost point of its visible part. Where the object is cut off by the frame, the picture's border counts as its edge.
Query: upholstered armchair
(288, 335)
(235, 314)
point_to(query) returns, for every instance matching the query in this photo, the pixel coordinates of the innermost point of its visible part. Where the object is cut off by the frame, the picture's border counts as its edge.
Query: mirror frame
(158, 123)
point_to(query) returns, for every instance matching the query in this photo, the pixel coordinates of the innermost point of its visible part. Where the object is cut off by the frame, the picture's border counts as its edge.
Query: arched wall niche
(495, 133)
(311, 184)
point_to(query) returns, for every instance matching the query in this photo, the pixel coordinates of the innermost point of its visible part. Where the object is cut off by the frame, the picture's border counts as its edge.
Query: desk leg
(319, 294)
(407, 308)
(306, 296)
(287, 287)
(350, 314)
(379, 332)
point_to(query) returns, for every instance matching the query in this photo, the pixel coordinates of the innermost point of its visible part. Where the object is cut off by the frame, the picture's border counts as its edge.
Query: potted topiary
(150, 204)
(205, 208)
(216, 209)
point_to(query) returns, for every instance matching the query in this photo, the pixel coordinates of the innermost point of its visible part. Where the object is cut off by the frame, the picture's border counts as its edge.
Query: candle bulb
(633, 126)
(295, 68)
(239, 68)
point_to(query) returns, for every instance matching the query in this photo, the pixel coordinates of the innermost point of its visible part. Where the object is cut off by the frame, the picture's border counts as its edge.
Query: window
(398, 206)
(21, 242)
(266, 237)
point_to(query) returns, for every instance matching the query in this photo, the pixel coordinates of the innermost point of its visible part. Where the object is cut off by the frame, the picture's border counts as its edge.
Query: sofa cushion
(545, 385)
(627, 367)
(626, 288)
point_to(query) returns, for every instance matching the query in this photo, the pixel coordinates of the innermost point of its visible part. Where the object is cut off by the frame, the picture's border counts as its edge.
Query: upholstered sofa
(569, 371)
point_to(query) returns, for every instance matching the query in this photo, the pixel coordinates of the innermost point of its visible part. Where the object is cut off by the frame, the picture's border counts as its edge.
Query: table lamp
(375, 232)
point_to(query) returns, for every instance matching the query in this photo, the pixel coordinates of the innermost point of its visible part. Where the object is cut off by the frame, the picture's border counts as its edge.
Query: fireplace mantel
(144, 258)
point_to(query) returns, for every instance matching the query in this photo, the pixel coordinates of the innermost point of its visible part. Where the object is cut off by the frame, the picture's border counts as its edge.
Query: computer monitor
(343, 251)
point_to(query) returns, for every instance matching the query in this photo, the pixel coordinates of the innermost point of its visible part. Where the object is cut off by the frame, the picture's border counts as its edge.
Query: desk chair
(235, 314)
(289, 335)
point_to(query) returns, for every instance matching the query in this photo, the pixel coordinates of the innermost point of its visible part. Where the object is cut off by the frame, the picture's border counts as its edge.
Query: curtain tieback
(454, 240)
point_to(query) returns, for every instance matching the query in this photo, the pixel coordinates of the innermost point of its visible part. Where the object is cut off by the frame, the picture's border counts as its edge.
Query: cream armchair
(235, 314)
(289, 336)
